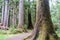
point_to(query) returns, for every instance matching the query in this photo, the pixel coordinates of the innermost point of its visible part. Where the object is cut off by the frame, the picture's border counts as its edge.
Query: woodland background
(13, 21)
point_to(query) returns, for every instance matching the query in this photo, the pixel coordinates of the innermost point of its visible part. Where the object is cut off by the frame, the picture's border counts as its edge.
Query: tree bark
(47, 31)
(3, 12)
(44, 26)
(6, 16)
(21, 14)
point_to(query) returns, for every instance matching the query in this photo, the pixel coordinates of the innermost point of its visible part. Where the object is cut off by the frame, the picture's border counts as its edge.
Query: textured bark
(6, 16)
(44, 24)
(47, 31)
(3, 12)
(30, 26)
(21, 14)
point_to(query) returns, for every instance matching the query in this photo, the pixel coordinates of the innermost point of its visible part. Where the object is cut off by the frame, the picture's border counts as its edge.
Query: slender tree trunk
(21, 14)
(6, 16)
(30, 26)
(3, 12)
(14, 18)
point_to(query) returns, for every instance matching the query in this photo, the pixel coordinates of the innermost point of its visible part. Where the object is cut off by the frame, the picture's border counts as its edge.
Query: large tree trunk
(30, 26)
(47, 31)
(44, 24)
(21, 14)
(6, 16)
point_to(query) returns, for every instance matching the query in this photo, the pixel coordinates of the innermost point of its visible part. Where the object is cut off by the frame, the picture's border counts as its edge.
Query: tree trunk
(21, 14)
(47, 31)
(30, 26)
(6, 16)
(14, 18)
(3, 12)
(43, 24)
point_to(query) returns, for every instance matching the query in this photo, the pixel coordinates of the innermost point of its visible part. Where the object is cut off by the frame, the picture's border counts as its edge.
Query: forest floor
(14, 36)
(19, 36)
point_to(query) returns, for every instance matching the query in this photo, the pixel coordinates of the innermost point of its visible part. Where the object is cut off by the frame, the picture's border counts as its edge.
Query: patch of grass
(10, 31)
(3, 37)
(3, 32)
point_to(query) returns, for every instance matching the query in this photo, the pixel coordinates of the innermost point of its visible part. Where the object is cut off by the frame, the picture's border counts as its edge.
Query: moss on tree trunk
(43, 22)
